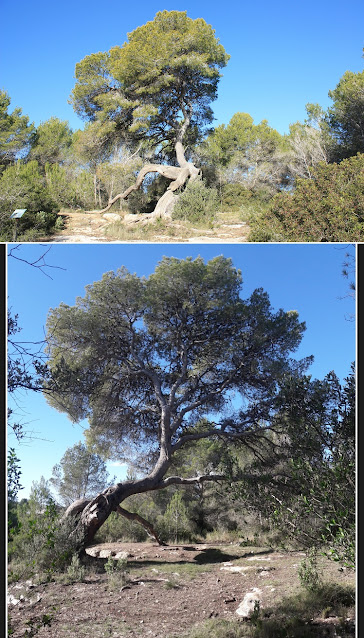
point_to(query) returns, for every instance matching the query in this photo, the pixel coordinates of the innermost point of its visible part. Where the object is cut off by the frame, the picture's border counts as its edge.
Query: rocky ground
(80, 227)
(166, 591)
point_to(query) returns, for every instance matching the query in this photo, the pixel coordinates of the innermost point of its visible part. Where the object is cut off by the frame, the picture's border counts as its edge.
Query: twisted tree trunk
(178, 175)
(89, 516)
(78, 506)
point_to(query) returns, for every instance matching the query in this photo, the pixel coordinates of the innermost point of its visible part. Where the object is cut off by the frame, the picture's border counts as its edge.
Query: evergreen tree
(16, 133)
(155, 91)
(145, 359)
(79, 474)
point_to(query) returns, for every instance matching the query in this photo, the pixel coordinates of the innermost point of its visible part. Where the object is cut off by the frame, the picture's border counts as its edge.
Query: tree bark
(178, 175)
(78, 506)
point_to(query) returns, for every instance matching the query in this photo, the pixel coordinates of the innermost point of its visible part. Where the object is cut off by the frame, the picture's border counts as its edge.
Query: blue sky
(306, 278)
(283, 54)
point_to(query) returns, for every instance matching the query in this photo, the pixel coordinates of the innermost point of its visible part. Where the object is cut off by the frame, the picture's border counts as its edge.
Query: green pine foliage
(16, 133)
(327, 207)
(305, 469)
(168, 65)
(197, 204)
(79, 474)
(43, 545)
(176, 519)
(345, 118)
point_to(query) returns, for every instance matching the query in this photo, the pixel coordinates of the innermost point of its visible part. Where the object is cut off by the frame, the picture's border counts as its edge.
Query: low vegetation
(187, 591)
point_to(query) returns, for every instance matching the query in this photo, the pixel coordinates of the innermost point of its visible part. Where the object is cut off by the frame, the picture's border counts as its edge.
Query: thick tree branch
(177, 174)
(133, 516)
(202, 478)
(180, 379)
(180, 480)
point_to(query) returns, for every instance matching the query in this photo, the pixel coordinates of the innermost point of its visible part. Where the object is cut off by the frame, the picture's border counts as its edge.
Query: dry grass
(83, 227)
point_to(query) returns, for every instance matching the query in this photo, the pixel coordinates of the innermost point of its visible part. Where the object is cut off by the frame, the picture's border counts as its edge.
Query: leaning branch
(202, 478)
(177, 174)
(133, 516)
(180, 480)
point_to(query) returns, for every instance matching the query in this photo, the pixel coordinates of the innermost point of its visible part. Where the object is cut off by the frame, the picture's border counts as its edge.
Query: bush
(328, 207)
(308, 572)
(117, 572)
(32, 226)
(75, 571)
(197, 204)
(234, 196)
(43, 543)
(23, 185)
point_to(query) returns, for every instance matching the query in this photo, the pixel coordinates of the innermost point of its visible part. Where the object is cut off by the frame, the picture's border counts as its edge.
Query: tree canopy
(240, 138)
(154, 91)
(144, 359)
(345, 118)
(159, 83)
(15, 131)
(79, 474)
(52, 141)
(246, 153)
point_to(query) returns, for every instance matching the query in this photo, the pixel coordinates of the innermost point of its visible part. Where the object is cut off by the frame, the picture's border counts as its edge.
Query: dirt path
(91, 227)
(168, 590)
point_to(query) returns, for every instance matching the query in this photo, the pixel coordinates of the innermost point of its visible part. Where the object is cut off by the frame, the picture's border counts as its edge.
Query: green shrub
(43, 543)
(31, 226)
(117, 572)
(328, 207)
(197, 204)
(234, 196)
(59, 225)
(75, 571)
(308, 572)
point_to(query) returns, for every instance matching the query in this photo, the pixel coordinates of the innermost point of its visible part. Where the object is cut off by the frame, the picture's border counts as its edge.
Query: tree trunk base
(78, 506)
(179, 176)
(163, 210)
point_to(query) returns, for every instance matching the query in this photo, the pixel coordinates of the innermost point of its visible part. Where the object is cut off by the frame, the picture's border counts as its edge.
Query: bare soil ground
(168, 591)
(80, 227)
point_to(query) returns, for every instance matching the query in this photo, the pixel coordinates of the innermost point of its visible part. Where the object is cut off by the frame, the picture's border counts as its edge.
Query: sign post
(19, 212)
